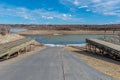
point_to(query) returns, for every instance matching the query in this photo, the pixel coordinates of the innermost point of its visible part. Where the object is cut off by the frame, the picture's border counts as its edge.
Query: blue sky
(59, 11)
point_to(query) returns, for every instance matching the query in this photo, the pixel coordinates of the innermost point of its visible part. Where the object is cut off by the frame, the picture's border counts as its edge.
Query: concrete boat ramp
(52, 63)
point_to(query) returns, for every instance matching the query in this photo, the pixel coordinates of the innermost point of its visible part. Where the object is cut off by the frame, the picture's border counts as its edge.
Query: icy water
(62, 40)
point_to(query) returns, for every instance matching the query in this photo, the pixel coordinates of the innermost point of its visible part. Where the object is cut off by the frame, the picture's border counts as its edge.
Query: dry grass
(101, 63)
(9, 38)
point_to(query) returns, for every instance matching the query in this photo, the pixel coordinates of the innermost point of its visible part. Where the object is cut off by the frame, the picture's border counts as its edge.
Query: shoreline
(63, 32)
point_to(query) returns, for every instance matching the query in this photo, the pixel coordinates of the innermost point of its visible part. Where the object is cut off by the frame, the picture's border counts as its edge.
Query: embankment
(59, 32)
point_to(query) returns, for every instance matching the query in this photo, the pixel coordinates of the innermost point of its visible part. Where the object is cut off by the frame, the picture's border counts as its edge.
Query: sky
(59, 11)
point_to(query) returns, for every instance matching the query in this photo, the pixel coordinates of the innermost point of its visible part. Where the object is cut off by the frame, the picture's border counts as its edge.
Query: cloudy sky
(59, 11)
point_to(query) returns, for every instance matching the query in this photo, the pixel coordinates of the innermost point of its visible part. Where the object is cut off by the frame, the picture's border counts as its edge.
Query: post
(113, 36)
(18, 52)
(86, 46)
(25, 49)
(95, 49)
(104, 33)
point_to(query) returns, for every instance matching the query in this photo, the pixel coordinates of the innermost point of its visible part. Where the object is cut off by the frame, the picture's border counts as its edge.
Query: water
(16, 30)
(62, 40)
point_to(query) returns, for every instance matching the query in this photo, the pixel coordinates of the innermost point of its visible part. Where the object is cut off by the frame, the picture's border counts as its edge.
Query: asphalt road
(50, 64)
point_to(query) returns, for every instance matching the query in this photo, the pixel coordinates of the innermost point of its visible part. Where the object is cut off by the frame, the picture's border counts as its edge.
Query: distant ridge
(69, 27)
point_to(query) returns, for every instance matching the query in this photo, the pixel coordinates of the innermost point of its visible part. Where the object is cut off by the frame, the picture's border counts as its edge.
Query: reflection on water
(65, 39)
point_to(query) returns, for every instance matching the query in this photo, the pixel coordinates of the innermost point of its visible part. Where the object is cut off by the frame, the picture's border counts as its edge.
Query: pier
(103, 47)
(15, 47)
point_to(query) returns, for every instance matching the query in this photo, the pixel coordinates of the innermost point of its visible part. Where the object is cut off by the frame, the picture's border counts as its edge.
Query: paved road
(50, 64)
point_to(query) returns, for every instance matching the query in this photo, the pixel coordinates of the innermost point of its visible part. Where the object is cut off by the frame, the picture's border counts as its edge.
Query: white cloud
(84, 6)
(66, 16)
(106, 7)
(76, 2)
(96, 1)
(36, 15)
(53, 15)
(47, 17)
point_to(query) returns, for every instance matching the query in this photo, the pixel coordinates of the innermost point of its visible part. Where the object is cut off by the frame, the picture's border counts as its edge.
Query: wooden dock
(8, 49)
(103, 47)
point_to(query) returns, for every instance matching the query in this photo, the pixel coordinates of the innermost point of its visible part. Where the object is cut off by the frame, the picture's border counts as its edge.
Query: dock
(18, 46)
(103, 47)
